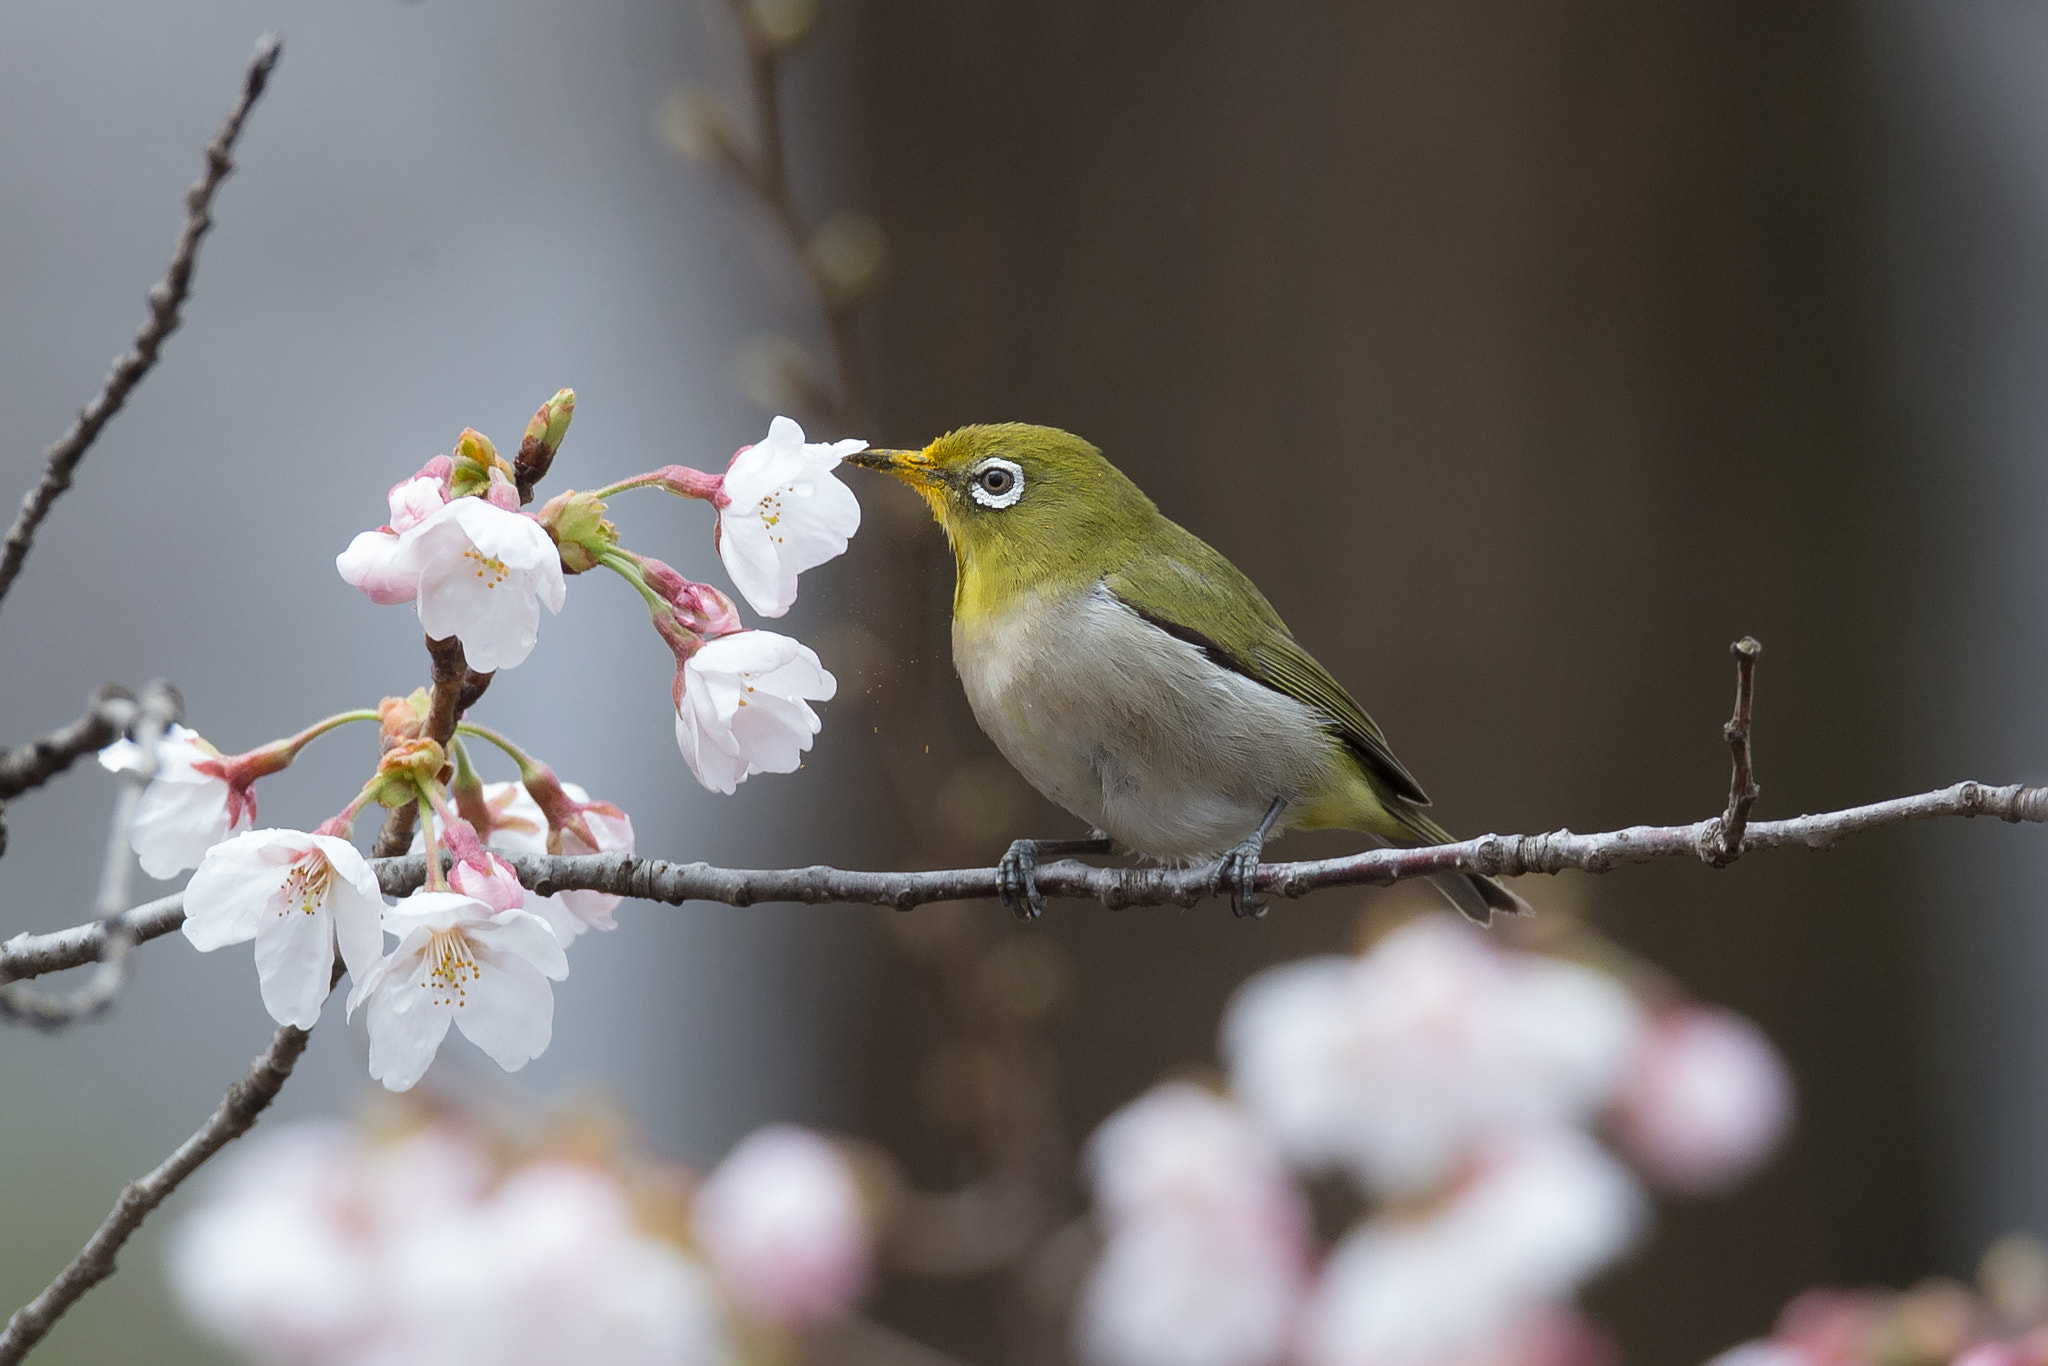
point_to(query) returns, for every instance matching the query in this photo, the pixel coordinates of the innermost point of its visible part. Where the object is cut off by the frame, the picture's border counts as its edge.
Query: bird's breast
(1138, 733)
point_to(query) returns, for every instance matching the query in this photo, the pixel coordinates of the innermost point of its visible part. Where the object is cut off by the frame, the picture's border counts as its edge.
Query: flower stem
(436, 882)
(680, 480)
(518, 756)
(313, 732)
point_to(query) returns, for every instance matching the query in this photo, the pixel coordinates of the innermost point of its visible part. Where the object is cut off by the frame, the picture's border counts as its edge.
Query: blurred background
(1524, 354)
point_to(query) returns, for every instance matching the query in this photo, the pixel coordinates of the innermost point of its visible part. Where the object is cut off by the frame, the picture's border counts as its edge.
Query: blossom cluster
(322, 1246)
(2000, 1321)
(1459, 1086)
(472, 949)
(478, 569)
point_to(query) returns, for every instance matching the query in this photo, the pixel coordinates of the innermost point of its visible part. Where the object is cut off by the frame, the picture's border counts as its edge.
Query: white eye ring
(1008, 483)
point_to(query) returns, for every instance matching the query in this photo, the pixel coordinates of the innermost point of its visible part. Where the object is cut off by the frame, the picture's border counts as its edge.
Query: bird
(1137, 678)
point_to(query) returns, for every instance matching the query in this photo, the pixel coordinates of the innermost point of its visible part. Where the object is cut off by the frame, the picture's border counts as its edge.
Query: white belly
(1136, 732)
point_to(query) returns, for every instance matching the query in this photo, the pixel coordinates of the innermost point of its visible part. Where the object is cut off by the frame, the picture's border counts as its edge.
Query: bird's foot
(1017, 871)
(1017, 880)
(1239, 869)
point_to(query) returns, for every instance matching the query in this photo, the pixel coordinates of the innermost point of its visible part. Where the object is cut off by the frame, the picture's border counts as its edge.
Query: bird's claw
(1238, 870)
(1017, 880)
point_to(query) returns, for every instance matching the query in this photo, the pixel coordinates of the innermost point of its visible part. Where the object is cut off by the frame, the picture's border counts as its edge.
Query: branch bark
(29, 955)
(245, 1101)
(107, 717)
(166, 302)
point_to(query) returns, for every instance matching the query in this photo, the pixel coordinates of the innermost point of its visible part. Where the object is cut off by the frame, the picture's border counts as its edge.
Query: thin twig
(1742, 786)
(166, 301)
(159, 709)
(245, 1100)
(107, 717)
(29, 955)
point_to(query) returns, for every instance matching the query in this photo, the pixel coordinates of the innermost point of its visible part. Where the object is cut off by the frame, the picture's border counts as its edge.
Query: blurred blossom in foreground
(783, 1224)
(321, 1246)
(1391, 1066)
(2001, 1321)
(1473, 1278)
(1208, 1240)
(1710, 1100)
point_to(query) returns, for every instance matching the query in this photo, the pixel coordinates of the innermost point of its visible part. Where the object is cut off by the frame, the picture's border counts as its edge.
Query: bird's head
(1013, 497)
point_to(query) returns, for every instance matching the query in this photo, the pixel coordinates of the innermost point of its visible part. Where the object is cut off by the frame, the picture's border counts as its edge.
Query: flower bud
(403, 718)
(846, 256)
(577, 524)
(475, 458)
(407, 770)
(700, 125)
(543, 438)
(700, 607)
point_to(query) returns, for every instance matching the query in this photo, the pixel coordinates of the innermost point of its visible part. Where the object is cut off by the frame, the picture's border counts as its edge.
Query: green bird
(1135, 677)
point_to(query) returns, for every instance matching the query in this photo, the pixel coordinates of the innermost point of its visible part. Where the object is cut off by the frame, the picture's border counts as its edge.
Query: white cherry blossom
(377, 562)
(1393, 1065)
(300, 897)
(781, 512)
(1542, 1213)
(475, 571)
(782, 1223)
(459, 962)
(483, 575)
(188, 806)
(1206, 1254)
(743, 707)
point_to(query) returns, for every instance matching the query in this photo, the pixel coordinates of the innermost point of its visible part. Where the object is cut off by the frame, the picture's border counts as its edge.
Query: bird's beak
(912, 467)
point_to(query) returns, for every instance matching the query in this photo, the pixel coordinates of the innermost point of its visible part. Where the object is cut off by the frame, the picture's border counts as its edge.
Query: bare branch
(1742, 786)
(160, 708)
(245, 1100)
(166, 301)
(107, 717)
(28, 955)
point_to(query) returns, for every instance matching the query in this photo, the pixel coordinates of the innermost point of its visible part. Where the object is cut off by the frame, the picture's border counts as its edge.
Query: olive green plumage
(1136, 676)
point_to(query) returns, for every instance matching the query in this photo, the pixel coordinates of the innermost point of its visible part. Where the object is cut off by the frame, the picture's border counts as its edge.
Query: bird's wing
(1219, 611)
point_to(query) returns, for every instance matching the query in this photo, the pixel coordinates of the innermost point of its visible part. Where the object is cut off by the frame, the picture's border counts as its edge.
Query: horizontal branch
(245, 1100)
(28, 955)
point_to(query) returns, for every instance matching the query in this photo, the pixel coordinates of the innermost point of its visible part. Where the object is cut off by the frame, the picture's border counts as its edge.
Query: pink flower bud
(782, 1223)
(1709, 1101)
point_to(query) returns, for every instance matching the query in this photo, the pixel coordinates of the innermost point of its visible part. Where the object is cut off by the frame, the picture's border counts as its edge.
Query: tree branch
(107, 717)
(28, 955)
(159, 709)
(166, 301)
(1742, 786)
(245, 1100)
(456, 688)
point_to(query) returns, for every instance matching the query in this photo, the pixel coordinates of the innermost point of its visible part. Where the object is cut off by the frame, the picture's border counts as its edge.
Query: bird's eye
(998, 483)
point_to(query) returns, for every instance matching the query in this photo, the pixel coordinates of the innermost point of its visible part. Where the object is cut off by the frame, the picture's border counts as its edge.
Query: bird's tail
(1474, 894)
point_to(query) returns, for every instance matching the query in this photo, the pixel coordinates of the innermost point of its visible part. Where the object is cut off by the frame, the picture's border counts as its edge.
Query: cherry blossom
(374, 561)
(1205, 1259)
(1393, 1064)
(459, 961)
(513, 823)
(742, 707)
(318, 1247)
(300, 897)
(1710, 1099)
(477, 571)
(782, 1223)
(781, 511)
(1542, 1213)
(549, 1268)
(189, 805)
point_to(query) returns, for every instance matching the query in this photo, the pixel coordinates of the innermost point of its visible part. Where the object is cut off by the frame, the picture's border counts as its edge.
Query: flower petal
(295, 963)
(510, 1010)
